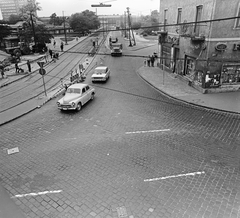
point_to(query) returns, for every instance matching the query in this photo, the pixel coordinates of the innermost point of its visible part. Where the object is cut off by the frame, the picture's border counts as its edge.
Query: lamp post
(64, 27)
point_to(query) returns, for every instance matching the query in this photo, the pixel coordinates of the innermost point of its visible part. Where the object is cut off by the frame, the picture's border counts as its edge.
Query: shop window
(230, 74)
(212, 80)
(190, 67)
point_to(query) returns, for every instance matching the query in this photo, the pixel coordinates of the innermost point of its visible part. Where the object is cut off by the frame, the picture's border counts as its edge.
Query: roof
(78, 85)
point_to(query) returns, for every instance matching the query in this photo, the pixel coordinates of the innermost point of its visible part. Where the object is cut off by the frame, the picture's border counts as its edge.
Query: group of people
(150, 60)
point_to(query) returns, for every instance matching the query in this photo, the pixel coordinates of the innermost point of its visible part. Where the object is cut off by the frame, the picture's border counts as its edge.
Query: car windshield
(72, 90)
(100, 71)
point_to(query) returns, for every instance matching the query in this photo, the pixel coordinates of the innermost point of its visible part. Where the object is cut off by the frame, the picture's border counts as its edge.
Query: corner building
(206, 54)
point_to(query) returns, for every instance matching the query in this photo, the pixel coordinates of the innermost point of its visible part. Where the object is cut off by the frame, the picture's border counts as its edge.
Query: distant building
(9, 7)
(206, 54)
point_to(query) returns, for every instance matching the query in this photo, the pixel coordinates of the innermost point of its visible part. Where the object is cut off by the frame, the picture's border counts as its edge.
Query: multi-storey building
(9, 7)
(200, 41)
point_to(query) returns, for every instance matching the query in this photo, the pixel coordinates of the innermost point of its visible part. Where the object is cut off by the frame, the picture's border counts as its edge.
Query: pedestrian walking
(145, 62)
(61, 46)
(149, 60)
(54, 43)
(16, 67)
(50, 52)
(152, 59)
(29, 66)
(2, 71)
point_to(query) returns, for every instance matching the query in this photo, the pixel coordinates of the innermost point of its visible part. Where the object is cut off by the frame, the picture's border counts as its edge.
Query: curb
(188, 103)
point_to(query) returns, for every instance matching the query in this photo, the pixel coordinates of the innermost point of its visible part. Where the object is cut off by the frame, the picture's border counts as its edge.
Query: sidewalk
(11, 76)
(170, 85)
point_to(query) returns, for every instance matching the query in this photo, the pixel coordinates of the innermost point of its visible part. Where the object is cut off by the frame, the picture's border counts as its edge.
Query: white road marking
(36, 194)
(174, 176)
(148, 131)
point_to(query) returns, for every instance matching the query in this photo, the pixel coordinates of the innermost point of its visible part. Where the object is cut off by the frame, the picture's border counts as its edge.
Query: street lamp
(64, 27)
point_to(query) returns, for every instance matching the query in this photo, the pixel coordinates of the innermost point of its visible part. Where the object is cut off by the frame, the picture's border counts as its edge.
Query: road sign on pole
(42, 71)
(40, 63)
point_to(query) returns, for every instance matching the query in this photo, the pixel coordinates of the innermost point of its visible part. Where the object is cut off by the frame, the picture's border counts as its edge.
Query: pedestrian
(54, 43)
(50, 52)
(61, 46)
(145, 62)
(148, 61)
(2, 71)
(29, 66)
(152, 59)
(17, 67)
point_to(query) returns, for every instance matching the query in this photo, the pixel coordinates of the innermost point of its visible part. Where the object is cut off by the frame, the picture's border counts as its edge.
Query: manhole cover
(122, 212)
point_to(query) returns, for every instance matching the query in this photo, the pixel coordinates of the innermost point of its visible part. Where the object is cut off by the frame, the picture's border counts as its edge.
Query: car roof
(78, 85)
(101, 68)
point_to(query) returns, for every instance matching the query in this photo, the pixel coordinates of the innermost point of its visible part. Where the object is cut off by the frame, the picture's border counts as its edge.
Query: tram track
(53, 78)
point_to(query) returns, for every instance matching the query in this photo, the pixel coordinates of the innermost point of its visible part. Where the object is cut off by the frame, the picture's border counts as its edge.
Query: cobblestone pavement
(131, 152)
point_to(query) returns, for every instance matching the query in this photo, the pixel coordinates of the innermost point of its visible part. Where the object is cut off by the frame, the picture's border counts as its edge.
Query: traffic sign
(40, 63)
(42, 71)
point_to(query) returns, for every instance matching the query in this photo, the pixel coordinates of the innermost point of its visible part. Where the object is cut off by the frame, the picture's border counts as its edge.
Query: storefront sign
(221, 46)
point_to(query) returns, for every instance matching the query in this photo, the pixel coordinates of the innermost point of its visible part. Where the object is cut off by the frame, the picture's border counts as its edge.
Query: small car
(101, 74)
(76, 96)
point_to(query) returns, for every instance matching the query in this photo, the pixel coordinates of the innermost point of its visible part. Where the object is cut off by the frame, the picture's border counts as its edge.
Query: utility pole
(130, 29)
(64, 27)
(125, 24)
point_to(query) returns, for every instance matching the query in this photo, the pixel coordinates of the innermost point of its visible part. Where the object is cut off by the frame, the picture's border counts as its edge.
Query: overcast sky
(136, 7)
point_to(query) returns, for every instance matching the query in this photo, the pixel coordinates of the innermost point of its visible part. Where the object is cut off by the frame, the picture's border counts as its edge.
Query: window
(198, 18)
(83, 90)
(165, 18)
(87, 87)
(179, 15)
(237, 24)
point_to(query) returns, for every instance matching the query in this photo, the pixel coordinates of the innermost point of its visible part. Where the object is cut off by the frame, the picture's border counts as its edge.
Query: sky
(136, 7)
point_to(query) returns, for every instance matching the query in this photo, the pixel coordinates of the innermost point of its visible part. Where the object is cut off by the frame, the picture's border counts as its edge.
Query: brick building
(206, 54)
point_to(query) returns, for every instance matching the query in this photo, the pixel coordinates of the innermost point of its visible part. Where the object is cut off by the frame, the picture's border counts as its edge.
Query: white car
(101, 74)
(76, 96)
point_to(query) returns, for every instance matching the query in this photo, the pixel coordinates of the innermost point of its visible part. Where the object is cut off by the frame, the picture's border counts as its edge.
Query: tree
(84, 21)
(41, 33)
(31, 29)
(14, 18)
(55, 20)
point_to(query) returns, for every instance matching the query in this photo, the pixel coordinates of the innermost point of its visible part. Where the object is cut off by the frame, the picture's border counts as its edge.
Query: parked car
(101, 74)
(76, 96)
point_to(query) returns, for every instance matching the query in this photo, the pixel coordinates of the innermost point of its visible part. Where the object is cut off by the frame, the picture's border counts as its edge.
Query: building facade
(200, 42)
(9, 7)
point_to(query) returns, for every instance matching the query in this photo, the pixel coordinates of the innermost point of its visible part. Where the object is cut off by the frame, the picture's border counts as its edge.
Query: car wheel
(92, 96)
(79, 106)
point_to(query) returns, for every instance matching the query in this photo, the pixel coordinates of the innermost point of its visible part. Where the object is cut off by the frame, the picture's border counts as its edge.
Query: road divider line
(148, 131)
(174, 176)
(36, 194)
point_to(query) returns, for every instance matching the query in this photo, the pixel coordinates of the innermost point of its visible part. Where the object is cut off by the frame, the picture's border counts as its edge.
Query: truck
(15, 47)
(116, 49)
